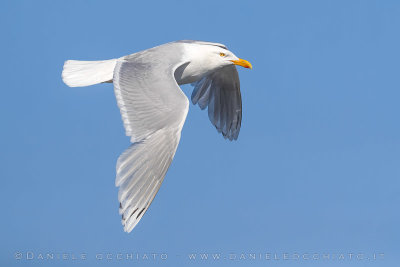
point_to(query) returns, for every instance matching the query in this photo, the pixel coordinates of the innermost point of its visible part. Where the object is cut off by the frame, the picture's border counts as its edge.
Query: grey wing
(220, 92)
(153, 110)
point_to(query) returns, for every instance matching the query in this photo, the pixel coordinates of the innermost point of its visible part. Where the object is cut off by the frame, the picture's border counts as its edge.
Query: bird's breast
(189, 73)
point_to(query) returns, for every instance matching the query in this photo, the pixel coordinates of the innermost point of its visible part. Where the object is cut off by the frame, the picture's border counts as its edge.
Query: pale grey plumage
(153, 110)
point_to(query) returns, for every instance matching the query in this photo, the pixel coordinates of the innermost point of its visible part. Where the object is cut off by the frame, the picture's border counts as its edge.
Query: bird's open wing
(220, 92)
(153, 110)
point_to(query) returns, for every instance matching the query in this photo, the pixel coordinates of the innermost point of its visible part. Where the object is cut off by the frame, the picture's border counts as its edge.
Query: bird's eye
(222, 54)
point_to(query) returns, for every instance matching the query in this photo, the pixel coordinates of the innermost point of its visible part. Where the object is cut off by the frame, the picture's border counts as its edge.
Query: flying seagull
(154, 108)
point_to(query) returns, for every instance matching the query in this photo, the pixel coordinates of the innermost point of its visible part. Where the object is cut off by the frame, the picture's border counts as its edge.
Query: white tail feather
(84, 73)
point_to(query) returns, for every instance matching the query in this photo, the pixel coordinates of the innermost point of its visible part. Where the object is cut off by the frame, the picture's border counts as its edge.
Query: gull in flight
(154, 108)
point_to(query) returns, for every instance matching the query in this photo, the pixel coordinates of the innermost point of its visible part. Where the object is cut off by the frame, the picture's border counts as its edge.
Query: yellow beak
(243, 63)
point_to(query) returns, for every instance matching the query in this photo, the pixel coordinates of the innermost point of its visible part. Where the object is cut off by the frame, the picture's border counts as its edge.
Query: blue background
(315, 169)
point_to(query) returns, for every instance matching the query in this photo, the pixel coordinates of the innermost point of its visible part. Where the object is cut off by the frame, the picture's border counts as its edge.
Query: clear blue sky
(316, 167)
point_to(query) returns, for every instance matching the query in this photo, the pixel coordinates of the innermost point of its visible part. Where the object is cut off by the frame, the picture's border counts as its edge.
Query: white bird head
(204, 58)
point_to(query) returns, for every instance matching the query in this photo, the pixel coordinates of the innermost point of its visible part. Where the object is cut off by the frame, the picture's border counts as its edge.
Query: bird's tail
(84, 73)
